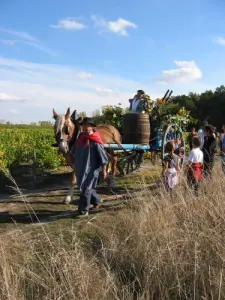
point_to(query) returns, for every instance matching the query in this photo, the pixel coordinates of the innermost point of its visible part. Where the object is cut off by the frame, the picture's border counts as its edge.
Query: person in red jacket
(89, 159)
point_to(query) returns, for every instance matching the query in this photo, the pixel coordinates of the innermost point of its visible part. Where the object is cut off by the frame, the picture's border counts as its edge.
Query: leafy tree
(207, 106)
(211, 107)
(82, 114)
(111, 115)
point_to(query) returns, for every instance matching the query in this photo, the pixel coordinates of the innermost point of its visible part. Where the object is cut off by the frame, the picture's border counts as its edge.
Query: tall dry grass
(155, 248)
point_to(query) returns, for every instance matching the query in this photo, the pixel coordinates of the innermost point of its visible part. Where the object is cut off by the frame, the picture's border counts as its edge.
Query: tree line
(208, 106)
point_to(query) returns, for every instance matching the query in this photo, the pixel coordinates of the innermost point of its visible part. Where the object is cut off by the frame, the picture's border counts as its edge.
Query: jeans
(87, 197)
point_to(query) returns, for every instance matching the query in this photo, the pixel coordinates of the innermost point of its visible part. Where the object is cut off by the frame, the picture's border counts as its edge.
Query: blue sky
(86, 54)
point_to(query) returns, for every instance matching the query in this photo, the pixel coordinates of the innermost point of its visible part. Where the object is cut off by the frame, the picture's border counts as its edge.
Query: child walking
(195, 165)
(171, 168)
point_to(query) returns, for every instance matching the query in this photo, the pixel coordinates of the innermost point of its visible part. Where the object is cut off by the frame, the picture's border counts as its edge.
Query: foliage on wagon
(110, 114)
(169, 113)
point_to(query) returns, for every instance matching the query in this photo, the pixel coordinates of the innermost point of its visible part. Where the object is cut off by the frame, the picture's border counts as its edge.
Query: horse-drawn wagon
(126, 150)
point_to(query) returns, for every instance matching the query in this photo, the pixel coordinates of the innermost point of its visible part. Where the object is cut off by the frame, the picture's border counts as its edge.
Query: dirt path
(46, 204)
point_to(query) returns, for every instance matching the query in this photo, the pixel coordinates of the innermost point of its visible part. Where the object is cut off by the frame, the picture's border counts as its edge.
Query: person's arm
(130, 101)
(102, 158)
(178, 165)
(165, 167)
(190, 160)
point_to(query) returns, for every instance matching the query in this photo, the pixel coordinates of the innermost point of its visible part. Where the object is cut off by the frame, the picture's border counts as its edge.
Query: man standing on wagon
(140, 103)
(89, 159)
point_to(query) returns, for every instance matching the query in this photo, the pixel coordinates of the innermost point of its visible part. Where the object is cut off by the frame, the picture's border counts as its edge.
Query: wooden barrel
(136, 129)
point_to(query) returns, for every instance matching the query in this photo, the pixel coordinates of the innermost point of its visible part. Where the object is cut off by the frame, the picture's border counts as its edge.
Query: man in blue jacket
(139, 104)
(89, 159)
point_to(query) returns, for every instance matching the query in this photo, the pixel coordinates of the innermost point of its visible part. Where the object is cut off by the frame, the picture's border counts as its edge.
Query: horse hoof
(67, 200)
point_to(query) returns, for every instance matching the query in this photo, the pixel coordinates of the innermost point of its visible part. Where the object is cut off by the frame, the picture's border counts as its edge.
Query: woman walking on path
(195, 165)
(171, 168)
(89, 159)
(209, 149)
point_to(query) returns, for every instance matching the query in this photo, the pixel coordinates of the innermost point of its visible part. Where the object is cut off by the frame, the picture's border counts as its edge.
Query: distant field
(18, 143)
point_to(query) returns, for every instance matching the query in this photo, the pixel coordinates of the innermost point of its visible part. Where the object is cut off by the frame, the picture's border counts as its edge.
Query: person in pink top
(170, 171)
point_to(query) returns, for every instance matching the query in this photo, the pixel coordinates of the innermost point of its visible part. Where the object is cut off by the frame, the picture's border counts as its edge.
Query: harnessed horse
(67, 128)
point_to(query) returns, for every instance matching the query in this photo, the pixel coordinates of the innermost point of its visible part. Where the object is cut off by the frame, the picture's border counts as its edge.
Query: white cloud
(9, 98)
(118, 27)
(48, 86)
(69, 24)
(105, 92)
(220, 41)
(8, 42)
(19, 34)
(26, 39)
(42, 48)
(44, 86)
(187, 71)
(84, 75)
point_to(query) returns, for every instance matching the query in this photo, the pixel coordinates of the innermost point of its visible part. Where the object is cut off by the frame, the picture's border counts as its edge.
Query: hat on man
(88, 121)
(140, 92)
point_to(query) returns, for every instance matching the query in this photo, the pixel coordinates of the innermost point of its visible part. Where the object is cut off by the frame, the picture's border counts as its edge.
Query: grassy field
(151, 247)
(17, 145)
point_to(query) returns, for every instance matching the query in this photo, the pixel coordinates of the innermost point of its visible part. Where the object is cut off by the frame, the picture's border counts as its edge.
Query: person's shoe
(95, 207)
(83, 213)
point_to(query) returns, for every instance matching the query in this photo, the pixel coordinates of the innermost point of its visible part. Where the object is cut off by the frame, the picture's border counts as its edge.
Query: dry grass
(155, 248)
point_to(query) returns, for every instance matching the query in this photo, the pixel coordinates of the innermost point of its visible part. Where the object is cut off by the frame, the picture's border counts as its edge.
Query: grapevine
(18, 145)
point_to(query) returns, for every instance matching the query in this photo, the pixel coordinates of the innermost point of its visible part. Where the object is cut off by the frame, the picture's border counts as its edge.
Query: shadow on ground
(47, 216)
(39, 216)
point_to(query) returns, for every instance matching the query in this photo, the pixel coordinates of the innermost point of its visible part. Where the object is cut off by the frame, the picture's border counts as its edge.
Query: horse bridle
(64, 137)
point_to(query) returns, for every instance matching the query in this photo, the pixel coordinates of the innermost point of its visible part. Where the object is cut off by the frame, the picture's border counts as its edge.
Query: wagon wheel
(174, 133)
(130, 162)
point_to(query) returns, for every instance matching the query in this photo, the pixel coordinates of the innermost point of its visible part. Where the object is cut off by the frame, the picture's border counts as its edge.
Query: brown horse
(67, 128)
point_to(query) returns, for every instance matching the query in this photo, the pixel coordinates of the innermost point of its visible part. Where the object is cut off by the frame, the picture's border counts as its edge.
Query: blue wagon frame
(132, 157)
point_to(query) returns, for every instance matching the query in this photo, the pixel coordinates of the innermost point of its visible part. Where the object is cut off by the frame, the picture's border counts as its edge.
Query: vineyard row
(18, 146)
